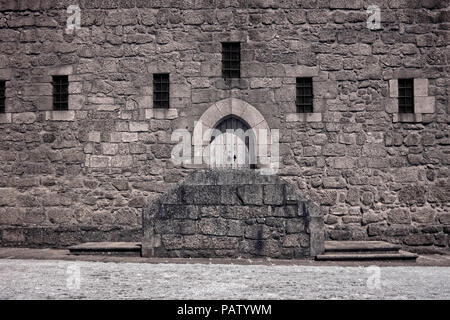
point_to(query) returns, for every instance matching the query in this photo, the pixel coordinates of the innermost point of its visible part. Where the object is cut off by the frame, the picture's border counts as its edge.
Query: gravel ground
(33, 279)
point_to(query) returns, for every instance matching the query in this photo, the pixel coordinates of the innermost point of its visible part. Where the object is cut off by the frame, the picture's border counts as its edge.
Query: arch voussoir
(229, 107)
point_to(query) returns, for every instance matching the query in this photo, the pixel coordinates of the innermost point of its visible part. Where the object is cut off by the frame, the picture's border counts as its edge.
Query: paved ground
(433, 260)
(50, 279)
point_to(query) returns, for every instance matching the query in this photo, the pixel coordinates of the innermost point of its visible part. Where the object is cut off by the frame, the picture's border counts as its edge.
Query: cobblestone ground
(31, 279)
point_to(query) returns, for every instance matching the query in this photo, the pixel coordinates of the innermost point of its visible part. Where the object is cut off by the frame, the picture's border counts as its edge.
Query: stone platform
(232, 213)
(363, 251)
(334, 250)
(107, 248)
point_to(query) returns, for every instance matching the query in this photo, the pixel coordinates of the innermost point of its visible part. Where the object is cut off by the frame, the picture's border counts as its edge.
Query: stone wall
(86, 174)
(232, 213)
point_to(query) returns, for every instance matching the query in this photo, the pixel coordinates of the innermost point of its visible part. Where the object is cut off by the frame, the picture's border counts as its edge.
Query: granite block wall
(232, 213)
(86, 173)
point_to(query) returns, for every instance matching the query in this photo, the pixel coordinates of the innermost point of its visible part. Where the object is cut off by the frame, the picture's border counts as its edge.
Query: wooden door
(230, 149)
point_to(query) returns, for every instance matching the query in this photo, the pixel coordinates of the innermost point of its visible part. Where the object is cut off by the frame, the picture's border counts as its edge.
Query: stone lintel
(301, 71)
(60, 70)
(161, 114)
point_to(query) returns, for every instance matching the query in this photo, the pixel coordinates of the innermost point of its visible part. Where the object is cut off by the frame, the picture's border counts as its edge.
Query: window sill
(304, 117)
(161, 114)
(60, 115)
(407, 117)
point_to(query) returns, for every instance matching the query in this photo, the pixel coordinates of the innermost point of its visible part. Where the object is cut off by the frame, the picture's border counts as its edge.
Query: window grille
(161, 90)
(2, 96)
(231, 60)
(304, 100)
(60, 93)
(406, 95)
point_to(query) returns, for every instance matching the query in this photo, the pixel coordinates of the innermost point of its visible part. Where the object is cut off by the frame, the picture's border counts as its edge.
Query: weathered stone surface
(274, 194)
(444, 218)
(229, 218)
(257, 232)
(250, 194)
(24, 118)
(412, 194)
(212, 226)
(424, 215)
(121, 161)
(399, 216)
(202, 194)
(372, 217)
(355, 149)
(419, 240)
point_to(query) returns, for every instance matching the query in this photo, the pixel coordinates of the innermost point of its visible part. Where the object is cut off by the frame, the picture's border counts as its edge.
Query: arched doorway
(235, 114)
(233, 144)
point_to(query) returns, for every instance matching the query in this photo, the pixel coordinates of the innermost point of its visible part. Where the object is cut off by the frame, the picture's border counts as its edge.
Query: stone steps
(132, 249)
(361, 246)
(334, 250)
(367, 256)
(363, 251)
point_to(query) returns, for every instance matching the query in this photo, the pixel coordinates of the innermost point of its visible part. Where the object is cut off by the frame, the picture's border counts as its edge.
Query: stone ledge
(407, 117)
(63, 115)
(303, 117)
(161, 114)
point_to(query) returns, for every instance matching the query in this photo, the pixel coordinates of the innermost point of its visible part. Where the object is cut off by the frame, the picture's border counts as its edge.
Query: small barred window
(304, 99)
(60, 93)
(2, 96)
(231, 60)
(161, 90)
(406, 95)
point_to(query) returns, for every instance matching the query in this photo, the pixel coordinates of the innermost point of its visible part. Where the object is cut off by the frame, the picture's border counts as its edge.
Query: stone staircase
(130, 249)
(363, 251)
(334, 250)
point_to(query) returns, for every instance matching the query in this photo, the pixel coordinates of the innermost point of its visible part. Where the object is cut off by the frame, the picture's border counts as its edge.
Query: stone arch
(230, 107)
